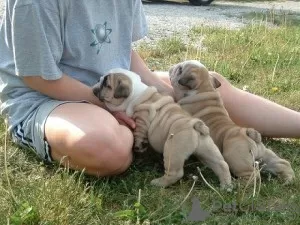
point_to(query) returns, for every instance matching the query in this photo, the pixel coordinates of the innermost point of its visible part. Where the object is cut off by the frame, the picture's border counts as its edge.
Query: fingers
(168, 91)
(123, 119)
(129, 122)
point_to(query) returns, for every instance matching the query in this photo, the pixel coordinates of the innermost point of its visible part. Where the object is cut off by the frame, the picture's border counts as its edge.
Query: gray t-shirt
(81, 38)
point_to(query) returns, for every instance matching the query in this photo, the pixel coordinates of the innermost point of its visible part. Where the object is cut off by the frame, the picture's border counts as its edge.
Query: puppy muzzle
(97, 91)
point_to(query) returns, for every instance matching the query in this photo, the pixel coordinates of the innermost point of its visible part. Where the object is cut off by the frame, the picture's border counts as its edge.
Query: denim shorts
(30, 133)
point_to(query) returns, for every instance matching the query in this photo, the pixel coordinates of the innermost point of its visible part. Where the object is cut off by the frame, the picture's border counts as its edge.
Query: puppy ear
(188, 81)
(122, 91)
(215, 82)
(253, 134)
(171, 69)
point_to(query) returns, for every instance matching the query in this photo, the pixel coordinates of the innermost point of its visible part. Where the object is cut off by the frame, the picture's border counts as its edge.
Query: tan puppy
(195, 91)
(169, 129)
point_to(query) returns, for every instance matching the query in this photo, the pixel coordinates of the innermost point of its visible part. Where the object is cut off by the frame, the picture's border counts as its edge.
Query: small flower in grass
(146, 222)
(275, 89)
(246, 88)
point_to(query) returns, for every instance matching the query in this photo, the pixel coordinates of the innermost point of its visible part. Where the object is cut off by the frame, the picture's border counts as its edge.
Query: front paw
(140, 147)
(227, 187)
(164, 181)
(159, 182)
(287, 177)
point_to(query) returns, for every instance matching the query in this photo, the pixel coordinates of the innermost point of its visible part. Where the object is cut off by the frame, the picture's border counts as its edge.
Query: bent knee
(121, 154)
(100, 153)
(112, 166)
(120, 163)
(113, 161)
(113, 151)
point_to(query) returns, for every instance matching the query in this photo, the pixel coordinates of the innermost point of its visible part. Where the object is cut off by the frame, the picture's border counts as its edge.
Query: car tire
(200, 2)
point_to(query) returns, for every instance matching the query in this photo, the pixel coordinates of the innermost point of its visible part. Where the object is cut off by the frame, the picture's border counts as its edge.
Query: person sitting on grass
(53, 52)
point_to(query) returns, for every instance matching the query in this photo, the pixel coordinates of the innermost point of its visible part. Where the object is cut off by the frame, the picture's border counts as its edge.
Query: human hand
(168, 90)
(123, 119)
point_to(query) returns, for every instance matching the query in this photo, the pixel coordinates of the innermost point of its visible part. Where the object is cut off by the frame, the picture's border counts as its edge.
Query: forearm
(66, 89)
(151, 79)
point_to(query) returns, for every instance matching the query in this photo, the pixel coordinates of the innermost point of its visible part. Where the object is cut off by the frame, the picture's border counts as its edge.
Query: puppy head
(191, 76)
(120, 90)
(114, 88)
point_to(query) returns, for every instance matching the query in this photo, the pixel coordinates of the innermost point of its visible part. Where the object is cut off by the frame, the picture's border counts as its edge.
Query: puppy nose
(101, 98)
(96, 90)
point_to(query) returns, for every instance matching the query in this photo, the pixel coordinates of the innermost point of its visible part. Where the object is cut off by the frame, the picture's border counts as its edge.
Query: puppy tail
(253, 134)
(201, 127)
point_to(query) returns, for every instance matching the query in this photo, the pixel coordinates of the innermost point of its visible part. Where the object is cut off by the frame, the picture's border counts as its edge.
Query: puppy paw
(201, 128)
(160, 182)
(288, 178)
(227, 187)
(141, 147)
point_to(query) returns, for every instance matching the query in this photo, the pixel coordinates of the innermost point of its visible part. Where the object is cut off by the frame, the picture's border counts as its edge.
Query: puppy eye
(109, 87)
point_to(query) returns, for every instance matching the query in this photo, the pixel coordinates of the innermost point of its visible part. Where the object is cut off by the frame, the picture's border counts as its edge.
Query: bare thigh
(163, 75)
(85, 136)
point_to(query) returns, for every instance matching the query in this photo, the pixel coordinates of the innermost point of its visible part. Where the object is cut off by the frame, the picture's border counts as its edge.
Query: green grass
(276, 18)
(264, 59)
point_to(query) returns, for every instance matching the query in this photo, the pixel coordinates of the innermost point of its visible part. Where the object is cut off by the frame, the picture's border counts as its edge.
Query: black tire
(200, 2)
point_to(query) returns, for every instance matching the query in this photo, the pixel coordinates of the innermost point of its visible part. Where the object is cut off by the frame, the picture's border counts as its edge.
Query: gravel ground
(166, 18)
(1, 8)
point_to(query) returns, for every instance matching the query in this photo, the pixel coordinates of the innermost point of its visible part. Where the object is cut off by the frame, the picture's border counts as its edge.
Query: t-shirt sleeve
(37, 42)
(140, 28)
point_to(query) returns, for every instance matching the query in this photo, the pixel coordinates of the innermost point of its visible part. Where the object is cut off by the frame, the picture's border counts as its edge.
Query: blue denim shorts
(30, 133)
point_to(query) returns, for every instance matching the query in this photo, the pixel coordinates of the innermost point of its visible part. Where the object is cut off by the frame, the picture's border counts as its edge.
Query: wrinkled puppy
(162, 122)
(195, 91)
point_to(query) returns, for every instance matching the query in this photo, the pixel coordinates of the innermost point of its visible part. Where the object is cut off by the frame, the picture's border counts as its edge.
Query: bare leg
(85, 136)
(250, 110)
